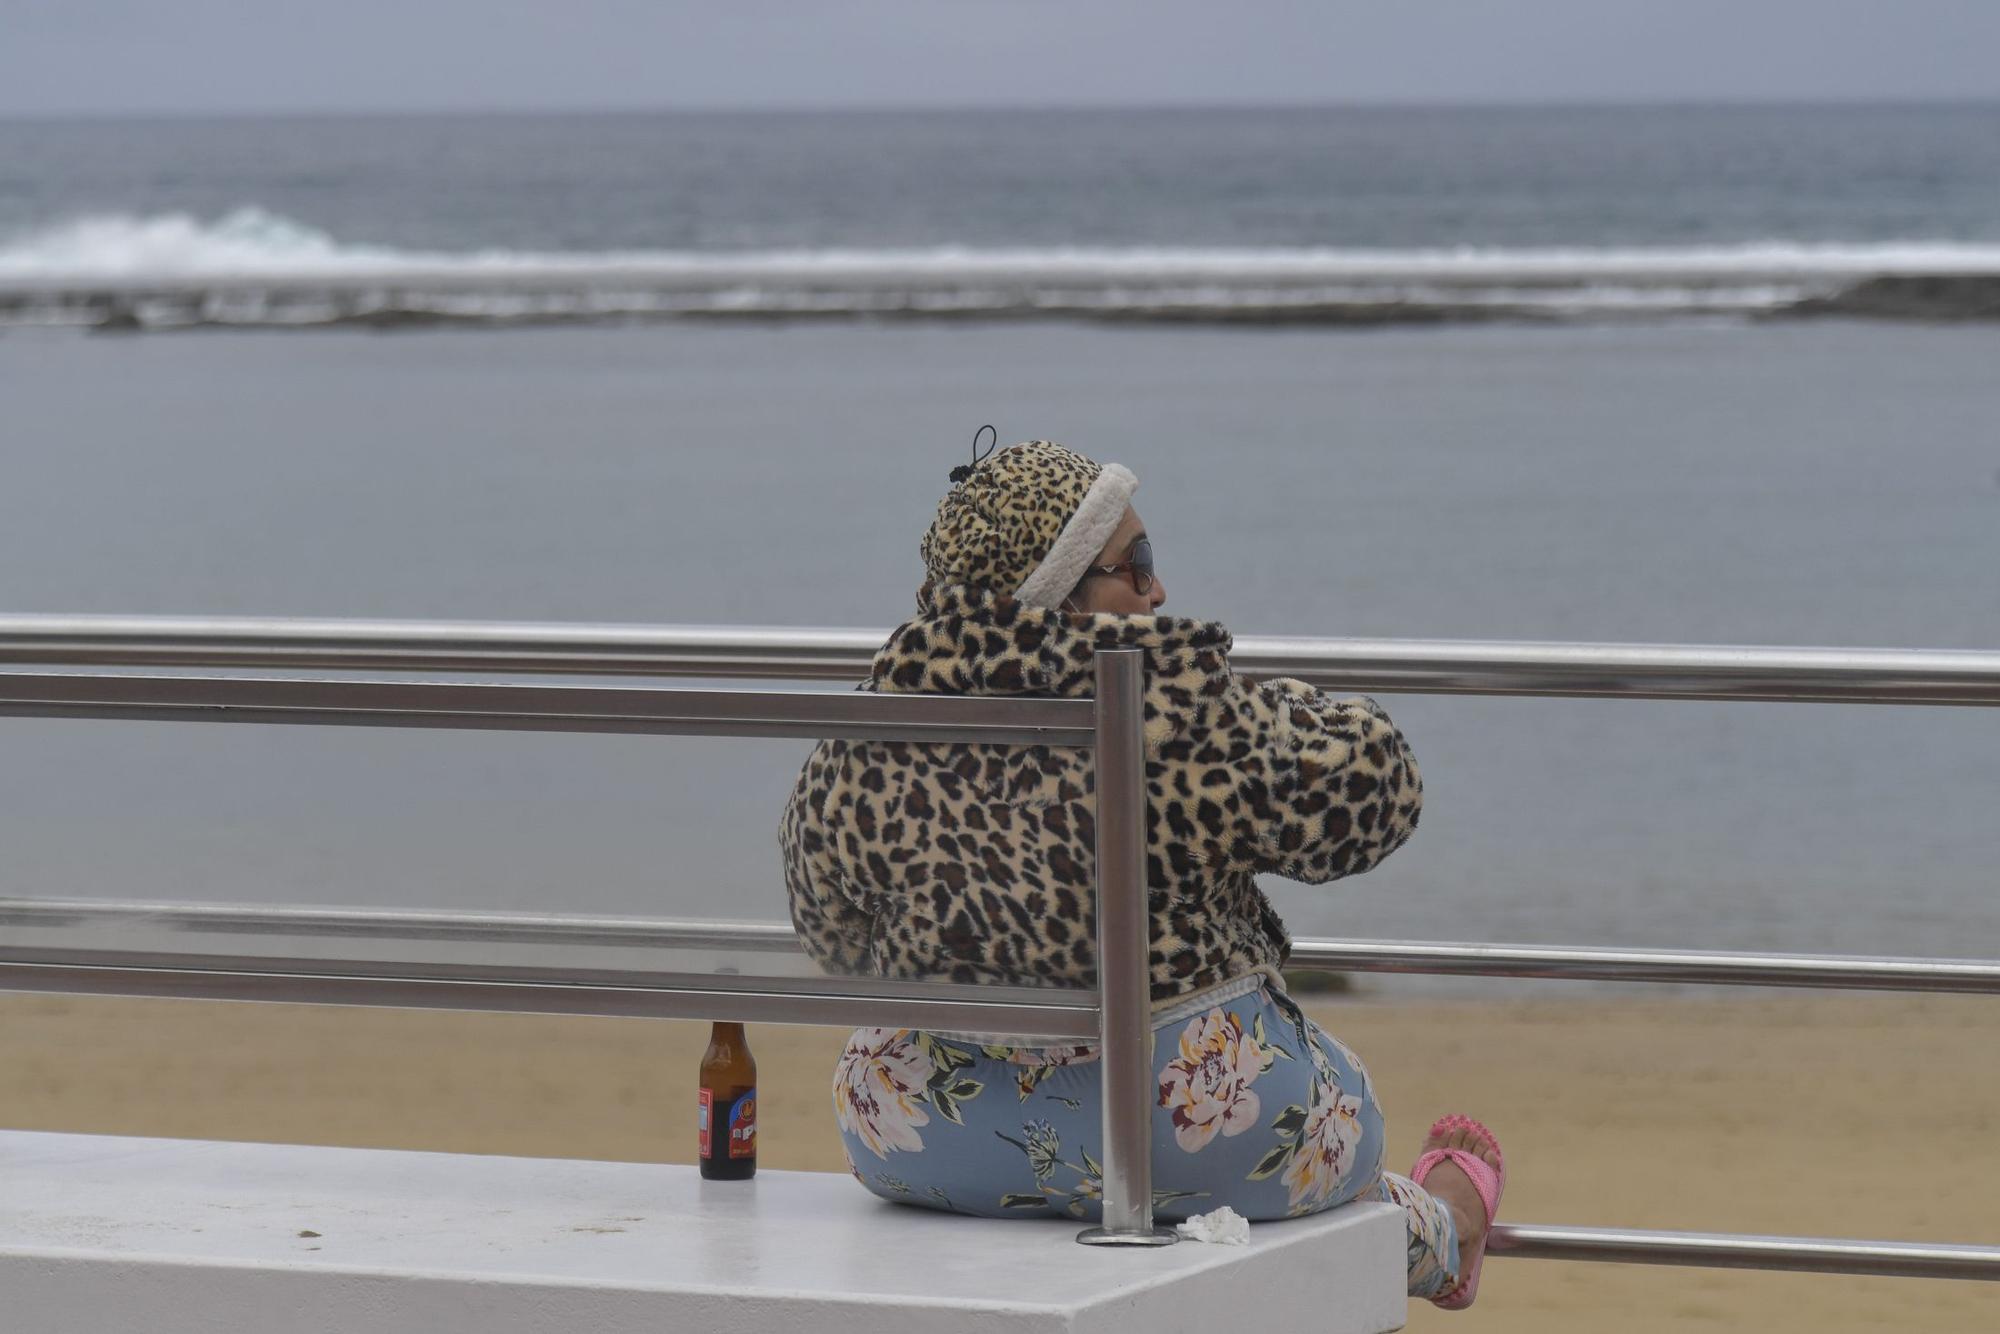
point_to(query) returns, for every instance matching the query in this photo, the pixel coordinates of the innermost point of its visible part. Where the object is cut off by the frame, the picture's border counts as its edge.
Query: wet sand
(1811, 1115)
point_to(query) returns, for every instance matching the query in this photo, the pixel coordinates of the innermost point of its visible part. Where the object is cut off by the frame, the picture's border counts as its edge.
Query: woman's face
(1112, 593)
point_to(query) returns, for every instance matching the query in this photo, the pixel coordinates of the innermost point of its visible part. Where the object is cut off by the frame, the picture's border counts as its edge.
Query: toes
(1457, 1132)
(1453, 1133)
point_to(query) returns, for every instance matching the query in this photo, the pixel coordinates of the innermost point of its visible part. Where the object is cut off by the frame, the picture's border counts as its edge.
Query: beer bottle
(728, 1106)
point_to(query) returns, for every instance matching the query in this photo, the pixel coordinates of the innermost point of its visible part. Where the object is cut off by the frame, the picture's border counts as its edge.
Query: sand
(1806, 1114)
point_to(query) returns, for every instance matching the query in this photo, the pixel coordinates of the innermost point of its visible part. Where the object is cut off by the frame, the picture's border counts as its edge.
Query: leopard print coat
(975, 862)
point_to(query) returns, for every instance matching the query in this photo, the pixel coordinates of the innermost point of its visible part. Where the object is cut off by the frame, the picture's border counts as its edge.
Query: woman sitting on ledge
(975, 863)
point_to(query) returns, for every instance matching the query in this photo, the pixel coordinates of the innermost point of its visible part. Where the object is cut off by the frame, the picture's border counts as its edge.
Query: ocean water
(1166, 178)
(1691, 475)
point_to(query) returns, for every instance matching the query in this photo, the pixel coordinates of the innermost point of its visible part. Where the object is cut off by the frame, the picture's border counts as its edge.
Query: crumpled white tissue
(1223, 1226)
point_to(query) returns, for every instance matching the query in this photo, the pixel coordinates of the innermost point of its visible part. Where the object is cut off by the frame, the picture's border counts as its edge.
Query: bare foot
(1448, 1182)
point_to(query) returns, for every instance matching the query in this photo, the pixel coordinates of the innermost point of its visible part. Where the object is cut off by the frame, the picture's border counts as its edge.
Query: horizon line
(974, 108)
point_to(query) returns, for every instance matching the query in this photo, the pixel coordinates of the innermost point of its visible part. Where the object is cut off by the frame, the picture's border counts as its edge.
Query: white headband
(1081, 538)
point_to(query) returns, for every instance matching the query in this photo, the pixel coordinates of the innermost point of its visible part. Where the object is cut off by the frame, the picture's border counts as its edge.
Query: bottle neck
(729, 1033)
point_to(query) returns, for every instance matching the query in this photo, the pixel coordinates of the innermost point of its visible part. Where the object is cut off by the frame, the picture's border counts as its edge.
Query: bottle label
(743, 1127)
(735, 1123)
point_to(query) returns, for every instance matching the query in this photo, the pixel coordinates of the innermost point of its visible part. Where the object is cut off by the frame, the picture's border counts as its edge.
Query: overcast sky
(99, 56)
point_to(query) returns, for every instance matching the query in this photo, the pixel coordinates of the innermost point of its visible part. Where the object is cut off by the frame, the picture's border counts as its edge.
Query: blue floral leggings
(1257, 1108)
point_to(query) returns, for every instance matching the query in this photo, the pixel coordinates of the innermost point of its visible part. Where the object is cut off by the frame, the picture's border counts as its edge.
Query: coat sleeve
(833, 927)
(1287, 780)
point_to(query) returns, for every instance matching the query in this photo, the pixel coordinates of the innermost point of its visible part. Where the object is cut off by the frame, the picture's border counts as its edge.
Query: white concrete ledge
(190, 1237)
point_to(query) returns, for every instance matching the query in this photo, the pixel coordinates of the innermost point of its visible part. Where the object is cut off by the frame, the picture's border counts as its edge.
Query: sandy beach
(1809, 1115)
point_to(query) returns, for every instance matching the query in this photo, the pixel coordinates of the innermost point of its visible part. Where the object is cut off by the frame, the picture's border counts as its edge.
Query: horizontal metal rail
(430, 646)
(840, 1002)
(1452, 667)
(209, 951)
(1725, 1250)
(1602, 964)
(1423, 958)
(548, 708)
(400, 924)
(1630, 671)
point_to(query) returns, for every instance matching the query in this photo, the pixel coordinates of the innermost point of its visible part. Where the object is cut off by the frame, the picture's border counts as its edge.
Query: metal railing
(1436, 667)
(177, 951)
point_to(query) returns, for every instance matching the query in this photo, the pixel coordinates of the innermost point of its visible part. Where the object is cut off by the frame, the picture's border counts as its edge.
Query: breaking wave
(254, 267)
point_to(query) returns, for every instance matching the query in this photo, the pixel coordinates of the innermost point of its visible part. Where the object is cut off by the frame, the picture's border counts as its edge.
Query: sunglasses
(1140, 566)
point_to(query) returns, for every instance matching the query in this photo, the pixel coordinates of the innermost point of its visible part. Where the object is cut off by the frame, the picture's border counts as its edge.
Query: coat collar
(967, 640)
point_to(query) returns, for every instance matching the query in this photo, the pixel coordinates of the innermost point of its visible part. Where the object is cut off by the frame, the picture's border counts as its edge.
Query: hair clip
(964, 470)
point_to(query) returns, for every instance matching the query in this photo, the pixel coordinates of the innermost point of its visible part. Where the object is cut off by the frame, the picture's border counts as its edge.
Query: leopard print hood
(976, 862)
(1026, 520)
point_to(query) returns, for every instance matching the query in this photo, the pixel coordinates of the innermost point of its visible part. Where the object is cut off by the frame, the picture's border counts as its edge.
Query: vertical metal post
(1124, 940)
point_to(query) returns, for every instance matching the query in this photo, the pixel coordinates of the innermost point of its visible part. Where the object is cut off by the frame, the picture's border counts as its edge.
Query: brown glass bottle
(728, 1125)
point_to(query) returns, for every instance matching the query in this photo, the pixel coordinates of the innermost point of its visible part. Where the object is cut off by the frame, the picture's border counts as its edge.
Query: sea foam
(253, 266)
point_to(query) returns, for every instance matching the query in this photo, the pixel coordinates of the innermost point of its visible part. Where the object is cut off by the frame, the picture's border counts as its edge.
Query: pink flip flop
(1488, 1181)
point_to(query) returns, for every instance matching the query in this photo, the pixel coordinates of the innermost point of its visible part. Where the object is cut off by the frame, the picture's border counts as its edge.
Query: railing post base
(1099, 1236)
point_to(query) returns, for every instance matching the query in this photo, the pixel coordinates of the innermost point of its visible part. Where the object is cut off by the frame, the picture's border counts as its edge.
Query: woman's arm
(1285, 779)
